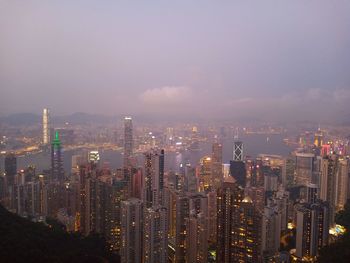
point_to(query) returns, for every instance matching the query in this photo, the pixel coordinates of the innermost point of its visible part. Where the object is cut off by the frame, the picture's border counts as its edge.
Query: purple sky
(264, 59)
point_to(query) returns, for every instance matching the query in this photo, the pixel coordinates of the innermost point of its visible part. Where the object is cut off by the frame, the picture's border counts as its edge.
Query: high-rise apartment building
(153, 178)
(10, 169)
(238, 226)
(312, 229)
(131, 231)
(155, 233)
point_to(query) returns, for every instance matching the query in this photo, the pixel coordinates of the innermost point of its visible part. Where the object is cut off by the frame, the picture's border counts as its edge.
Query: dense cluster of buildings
(246, 211)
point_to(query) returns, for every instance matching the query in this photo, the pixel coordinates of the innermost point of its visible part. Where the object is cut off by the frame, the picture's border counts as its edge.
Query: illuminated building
(94, 157)
(216, 165)
(238, 226)
(57, 172)
(46, 127)
(131, 230)
(128, 141)
(155, 245)
(153, 178)
(329, 170)
(206, 182)
(318, 138)
(182, 214)
(312, 229)
(238, 151)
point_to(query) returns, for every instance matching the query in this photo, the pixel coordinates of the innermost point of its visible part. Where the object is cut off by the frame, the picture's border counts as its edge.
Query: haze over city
(174, 131)
(258, 59)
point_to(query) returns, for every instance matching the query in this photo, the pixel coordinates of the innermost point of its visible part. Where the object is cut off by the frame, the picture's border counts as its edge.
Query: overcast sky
(264, 59)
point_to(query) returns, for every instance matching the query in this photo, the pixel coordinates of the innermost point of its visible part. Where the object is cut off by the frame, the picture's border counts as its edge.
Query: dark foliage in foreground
(24, 241)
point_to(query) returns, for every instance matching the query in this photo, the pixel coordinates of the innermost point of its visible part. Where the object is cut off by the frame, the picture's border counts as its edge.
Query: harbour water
(254, 144)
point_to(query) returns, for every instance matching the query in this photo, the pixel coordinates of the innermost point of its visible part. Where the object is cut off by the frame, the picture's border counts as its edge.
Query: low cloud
(168, 95)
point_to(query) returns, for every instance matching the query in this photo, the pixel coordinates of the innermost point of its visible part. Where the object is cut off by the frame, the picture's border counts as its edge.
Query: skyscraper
(155, 248)
(304, 168)
(153, 178)
(57, 159)
(128, 141)
(10, 168)
(312, 229)
(131, 230)
(238, 226)
(238, 151)
(46, 126)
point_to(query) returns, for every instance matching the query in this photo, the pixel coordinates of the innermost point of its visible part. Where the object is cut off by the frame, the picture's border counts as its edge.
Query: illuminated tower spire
(46, 128)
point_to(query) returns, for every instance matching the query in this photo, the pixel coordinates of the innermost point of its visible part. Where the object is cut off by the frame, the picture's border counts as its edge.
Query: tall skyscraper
(216, 165)
(238, 226)
(153, 178)
(131, 231)
(342, 183)
(10, 168)
(128, 141)
(312, 229)
(57, 159)
(329, 170)
(46, 127)
(155, 248)
(197, 238)
(238, 151)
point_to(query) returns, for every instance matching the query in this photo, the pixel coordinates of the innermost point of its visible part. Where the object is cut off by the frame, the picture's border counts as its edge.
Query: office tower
(169, 136)
(312, 229)
(128, 141)
(238, 226)
(155, 244)
(271, 229)
(238, 172)
(342, 183)
(276, 163)
(304, 168)
(190, 184)
(237, 165)
(131, 231)
(238, 150)
(153, 178)
(225, 170)
(318, 138)
(94, 157)
(205, 169)
(197, 238)
(57, 172)
(290, 171)
(329, 170)
(182, 214)
(216, 165)
(271, 176)
(254, 172)
(10, 169)
(46, 127)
